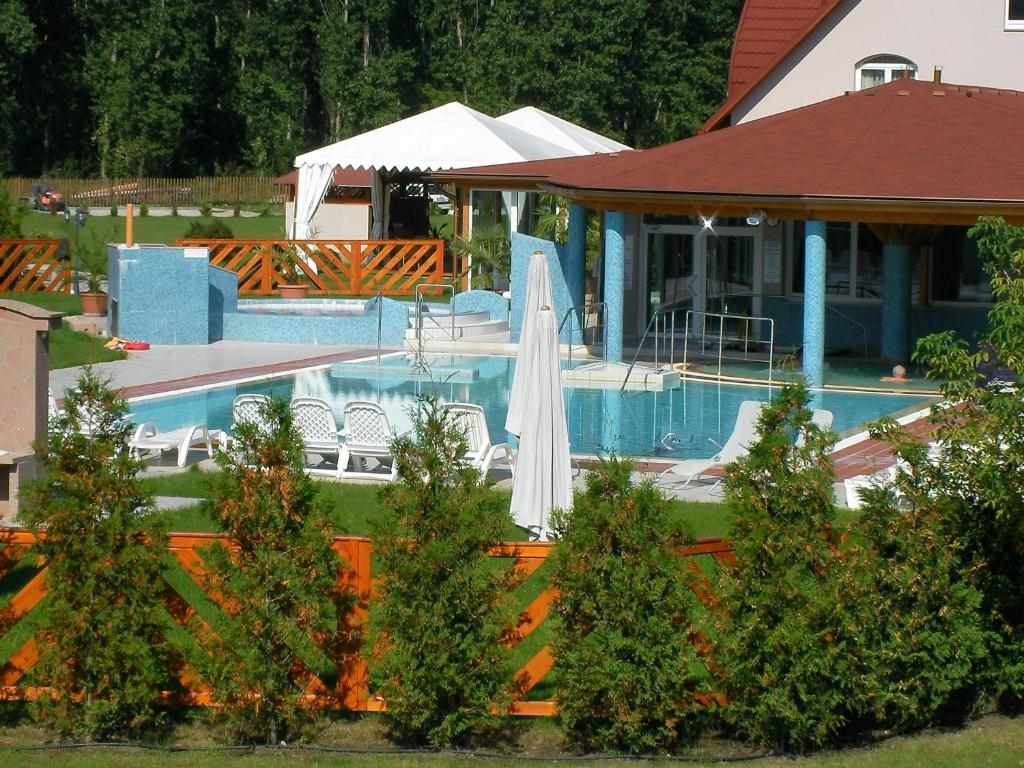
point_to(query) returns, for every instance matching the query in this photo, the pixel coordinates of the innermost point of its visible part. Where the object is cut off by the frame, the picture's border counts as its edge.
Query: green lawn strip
(67, 303)
(69, 349)
(151, 229)
(995, 742)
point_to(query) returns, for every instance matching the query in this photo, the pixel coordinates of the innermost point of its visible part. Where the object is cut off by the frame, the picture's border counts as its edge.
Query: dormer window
(1015, 14)
(879, 70)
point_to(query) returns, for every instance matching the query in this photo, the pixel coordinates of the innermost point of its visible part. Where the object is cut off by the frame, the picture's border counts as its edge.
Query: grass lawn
(149, 229)
(997, 742)
(68, 348)
(355, 507)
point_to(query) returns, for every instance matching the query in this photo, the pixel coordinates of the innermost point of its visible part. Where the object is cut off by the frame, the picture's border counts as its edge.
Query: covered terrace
(905, 161)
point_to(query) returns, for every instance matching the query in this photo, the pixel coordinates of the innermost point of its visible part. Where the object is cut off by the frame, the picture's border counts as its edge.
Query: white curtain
(313, 183)
(380, 201)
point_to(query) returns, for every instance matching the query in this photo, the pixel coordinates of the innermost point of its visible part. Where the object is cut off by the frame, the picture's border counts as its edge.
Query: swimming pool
(633, 423)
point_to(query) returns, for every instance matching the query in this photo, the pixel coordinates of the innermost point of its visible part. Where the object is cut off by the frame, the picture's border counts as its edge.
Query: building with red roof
(831, 193)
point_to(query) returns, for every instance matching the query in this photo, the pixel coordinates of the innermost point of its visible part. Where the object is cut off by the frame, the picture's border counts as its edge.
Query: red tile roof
(907, 140)
(769, 30)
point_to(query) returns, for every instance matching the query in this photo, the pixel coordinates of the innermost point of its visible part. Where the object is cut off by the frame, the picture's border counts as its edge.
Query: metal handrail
(419, 312)
(722, 317)
(653, 323)
(583, 327)
(828, 307)
(380, 322)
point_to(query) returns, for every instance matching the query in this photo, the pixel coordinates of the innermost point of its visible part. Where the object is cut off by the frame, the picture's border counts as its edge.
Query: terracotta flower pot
(292, 291)
(94, 304)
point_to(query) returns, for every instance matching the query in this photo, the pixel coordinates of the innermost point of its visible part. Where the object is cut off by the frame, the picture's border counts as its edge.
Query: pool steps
(437, 324)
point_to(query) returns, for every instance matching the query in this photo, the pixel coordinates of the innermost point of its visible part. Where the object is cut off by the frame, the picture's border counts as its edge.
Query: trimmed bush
(101, 641)
(278, 582)
(443, 612)
(216, 229)
(925, 639)
(788, 649)
(624, 659)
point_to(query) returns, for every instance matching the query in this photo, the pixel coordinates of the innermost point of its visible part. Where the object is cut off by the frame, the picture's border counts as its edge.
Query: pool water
(630, 423)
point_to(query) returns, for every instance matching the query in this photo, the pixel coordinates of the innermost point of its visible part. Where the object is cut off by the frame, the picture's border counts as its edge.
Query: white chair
(314, 419)
(481, 452)
(743, 433)
(249, 409)
(821, 419)
(149, 439)
(368, 435)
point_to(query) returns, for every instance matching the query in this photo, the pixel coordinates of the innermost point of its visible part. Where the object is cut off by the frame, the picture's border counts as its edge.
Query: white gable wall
(967, 38)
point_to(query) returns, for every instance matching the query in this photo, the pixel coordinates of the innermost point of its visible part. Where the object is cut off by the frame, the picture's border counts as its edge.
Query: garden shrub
(101, 641)
(12, 213)
(622, 646)
(980, 473)
(216, 229)
(442, 614)
(278, 582)
(924, 636)
(787, 650)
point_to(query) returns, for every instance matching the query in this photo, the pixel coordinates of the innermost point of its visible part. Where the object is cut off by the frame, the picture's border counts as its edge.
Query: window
(853, 262)
(1015, 14)
(879, 70)
(957, 273)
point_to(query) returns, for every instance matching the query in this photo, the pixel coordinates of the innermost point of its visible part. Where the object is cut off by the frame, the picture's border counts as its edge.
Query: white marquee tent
(451, 136)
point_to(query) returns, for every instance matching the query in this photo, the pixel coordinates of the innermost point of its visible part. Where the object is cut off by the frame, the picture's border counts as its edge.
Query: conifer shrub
(787, 647)
(979, 470)
(443, 614)
(101, 642)
(623, 650)
(215, 229)
(925, 641)
(277, 583)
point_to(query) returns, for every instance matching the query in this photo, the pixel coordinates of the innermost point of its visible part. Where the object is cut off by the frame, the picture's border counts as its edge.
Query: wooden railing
(186, 602)
(338, 267)
(33, 266)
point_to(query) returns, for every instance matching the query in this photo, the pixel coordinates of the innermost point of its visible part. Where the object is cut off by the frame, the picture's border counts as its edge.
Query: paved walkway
(167, 367)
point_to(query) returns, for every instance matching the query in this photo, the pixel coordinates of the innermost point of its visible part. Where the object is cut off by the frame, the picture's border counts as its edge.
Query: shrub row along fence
(350, 267)
(34, 266)
(346, 684)
(169, 192)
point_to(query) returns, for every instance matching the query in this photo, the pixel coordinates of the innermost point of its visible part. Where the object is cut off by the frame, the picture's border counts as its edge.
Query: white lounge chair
(149, 439)
(481, 452)
(314, 418)
(821, 419)
(249, 409)
(368, 435)
(743, 433)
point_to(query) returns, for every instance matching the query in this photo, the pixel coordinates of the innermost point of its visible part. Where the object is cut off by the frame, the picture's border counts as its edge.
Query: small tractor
(46, 198)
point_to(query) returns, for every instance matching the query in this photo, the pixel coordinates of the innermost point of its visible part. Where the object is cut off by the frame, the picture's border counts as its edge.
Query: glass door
(729, 277)
(672, 271)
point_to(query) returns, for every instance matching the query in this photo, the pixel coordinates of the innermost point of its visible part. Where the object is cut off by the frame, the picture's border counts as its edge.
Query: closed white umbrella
(543, 476)
(538, 294)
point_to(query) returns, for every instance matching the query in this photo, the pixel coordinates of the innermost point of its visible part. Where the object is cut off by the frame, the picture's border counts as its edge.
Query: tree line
(183, 87)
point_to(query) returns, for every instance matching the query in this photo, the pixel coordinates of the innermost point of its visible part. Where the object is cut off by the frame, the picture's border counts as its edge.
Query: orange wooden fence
(33, 266)
(345, 267)
(350, 689)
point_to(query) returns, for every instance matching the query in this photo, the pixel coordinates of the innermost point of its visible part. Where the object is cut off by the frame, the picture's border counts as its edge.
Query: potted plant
(288, 263)
(93, 264)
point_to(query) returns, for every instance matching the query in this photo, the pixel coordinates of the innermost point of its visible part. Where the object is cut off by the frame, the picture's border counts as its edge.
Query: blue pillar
(614, 275)
(576, 254)
(814, 303)
(897, 273)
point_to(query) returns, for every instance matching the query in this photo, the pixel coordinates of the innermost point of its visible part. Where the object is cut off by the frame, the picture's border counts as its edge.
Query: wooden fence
(225, 190)
(339, 267)
(34, 266)
(22, 574)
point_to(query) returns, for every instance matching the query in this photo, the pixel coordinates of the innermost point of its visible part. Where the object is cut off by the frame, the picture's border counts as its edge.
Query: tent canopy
(447, 137)
(452, 136)
(575, 139)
